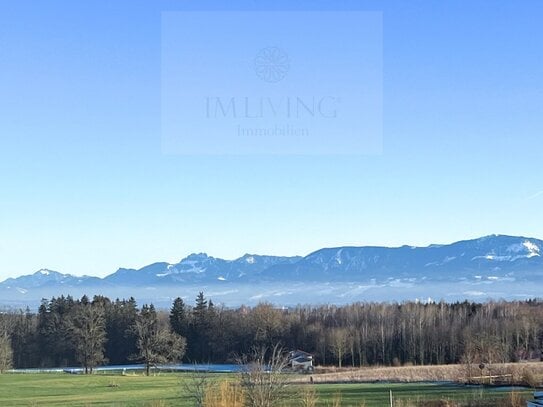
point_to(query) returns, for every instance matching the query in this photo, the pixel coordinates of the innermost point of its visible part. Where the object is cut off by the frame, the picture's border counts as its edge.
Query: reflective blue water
(509, 388)
(213, 368)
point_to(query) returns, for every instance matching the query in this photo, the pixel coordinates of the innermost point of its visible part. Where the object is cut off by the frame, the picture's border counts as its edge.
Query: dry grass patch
(507, 373)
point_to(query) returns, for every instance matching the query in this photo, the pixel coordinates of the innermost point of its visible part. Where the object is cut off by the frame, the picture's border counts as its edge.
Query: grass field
(47, 389)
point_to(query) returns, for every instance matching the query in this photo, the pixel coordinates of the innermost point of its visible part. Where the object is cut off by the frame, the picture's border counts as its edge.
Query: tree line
(88, 333)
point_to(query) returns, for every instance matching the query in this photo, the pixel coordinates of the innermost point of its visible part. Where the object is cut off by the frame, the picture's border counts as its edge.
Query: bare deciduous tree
(263, 379)
(87, 329)
(339, 343)
(156, 344)
(196, 385)
(6, 353)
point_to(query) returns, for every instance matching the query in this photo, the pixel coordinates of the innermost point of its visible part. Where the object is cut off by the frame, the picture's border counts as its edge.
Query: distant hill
(466, 269)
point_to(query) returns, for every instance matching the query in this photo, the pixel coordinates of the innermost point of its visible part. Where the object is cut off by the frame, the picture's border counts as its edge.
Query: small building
(538, 400)
(300, 360)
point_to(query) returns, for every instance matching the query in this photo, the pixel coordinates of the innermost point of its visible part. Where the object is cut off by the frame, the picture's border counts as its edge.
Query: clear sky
(86, 187)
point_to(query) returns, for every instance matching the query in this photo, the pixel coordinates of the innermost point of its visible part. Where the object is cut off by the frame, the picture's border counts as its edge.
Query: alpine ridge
(465, 269)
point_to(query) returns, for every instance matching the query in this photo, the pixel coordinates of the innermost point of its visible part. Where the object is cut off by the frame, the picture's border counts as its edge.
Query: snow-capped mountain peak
(492, 259)
(196, 257)
(533, 249)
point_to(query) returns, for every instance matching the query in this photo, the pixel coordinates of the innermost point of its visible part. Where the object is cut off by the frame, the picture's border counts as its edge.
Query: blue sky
(86, 187)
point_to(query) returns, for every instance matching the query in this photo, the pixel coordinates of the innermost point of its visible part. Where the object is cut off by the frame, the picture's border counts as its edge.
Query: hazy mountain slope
(487, 260)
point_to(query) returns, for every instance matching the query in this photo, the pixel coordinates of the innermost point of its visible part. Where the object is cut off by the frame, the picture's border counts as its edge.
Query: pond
(183, 367)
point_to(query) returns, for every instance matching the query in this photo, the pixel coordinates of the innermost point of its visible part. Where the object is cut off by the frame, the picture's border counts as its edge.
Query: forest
(88, 333)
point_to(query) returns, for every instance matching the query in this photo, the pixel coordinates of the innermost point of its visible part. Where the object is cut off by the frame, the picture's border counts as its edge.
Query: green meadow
(48, 389)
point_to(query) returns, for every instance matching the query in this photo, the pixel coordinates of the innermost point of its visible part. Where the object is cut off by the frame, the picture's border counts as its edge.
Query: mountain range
(453, 271)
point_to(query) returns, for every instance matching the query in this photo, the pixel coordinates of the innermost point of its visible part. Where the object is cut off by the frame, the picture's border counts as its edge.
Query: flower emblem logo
(271, 64)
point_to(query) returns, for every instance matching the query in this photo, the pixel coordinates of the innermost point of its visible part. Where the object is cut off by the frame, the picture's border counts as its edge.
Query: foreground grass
(97, 390)
(167, 390)
(377, 394)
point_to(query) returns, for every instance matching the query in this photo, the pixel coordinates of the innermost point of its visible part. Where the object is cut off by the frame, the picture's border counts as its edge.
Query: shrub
(513, 400)
(308, 397)
(336, 401)
(224, 394)
(529, 378)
